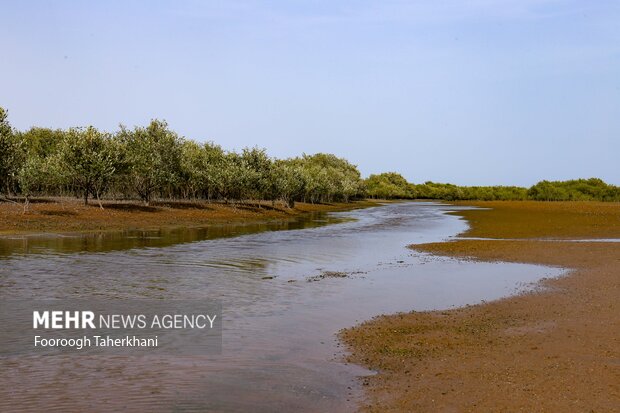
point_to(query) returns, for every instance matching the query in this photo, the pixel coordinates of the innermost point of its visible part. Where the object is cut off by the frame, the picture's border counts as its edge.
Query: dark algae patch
(332, 274)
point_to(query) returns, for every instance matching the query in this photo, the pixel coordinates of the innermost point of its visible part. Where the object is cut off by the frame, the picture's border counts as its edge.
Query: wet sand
(554, 349)
(70, 215)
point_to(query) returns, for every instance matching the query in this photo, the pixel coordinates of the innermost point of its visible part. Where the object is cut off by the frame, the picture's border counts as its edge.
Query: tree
(257, 167)
(10, 153)
(42, 142)
(193, 169)
(286, 182)
(37, 173)
(200, 169)
(329, 178)
(388, 185)
(233, 178)
(153, 158)
(574, 190)
(89, 159)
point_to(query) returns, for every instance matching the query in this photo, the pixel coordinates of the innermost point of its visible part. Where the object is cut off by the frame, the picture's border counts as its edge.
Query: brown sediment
(553, 350)
(70, 215)
(531, 219)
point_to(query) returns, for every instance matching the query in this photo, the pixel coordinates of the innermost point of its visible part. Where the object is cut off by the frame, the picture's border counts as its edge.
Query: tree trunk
(98, 199)
(86, 197)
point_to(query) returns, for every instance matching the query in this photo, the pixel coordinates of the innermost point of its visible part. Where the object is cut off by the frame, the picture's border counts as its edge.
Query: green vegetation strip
(153, 162)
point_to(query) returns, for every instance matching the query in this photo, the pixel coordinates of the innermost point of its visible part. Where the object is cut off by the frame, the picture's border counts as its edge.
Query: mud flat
(70, 215)
(554, 349)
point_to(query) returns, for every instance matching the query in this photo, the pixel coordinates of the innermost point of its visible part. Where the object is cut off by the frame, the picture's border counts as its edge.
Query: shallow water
(279, 347)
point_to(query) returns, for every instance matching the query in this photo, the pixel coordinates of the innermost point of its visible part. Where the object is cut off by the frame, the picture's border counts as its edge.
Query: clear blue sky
(470, 92)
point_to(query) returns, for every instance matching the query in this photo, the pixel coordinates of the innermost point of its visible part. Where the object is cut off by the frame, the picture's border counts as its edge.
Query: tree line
(391, 185)
(153, 162)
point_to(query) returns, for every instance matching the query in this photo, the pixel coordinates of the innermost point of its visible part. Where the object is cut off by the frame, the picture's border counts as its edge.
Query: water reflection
(123, 240)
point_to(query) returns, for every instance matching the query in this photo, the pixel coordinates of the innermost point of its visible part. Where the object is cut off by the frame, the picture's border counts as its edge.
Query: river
(286, 290)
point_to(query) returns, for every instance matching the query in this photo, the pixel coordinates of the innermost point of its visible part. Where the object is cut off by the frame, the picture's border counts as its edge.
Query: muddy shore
(70, 215)
(555, 349)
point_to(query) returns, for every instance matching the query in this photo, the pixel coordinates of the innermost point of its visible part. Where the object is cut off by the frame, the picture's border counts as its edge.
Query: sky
(477, 92)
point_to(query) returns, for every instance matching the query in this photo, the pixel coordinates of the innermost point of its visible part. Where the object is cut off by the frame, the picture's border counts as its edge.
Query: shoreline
(59, 216)
(555, 348)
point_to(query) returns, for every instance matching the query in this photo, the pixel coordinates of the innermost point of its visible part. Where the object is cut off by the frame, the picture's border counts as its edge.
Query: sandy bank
(557, 349)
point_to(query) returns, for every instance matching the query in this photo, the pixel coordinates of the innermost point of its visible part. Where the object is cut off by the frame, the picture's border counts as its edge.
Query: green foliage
(41, 142)
(215, 172)
(232, 178)
(198, 169)
(37, 175)
(257, 169)
(287, 181)
(450, 192)
(11, 155)
(392, 185)
(153, 158)
(89, 160)
(389, 185)
(592, 189)
(329, 178)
